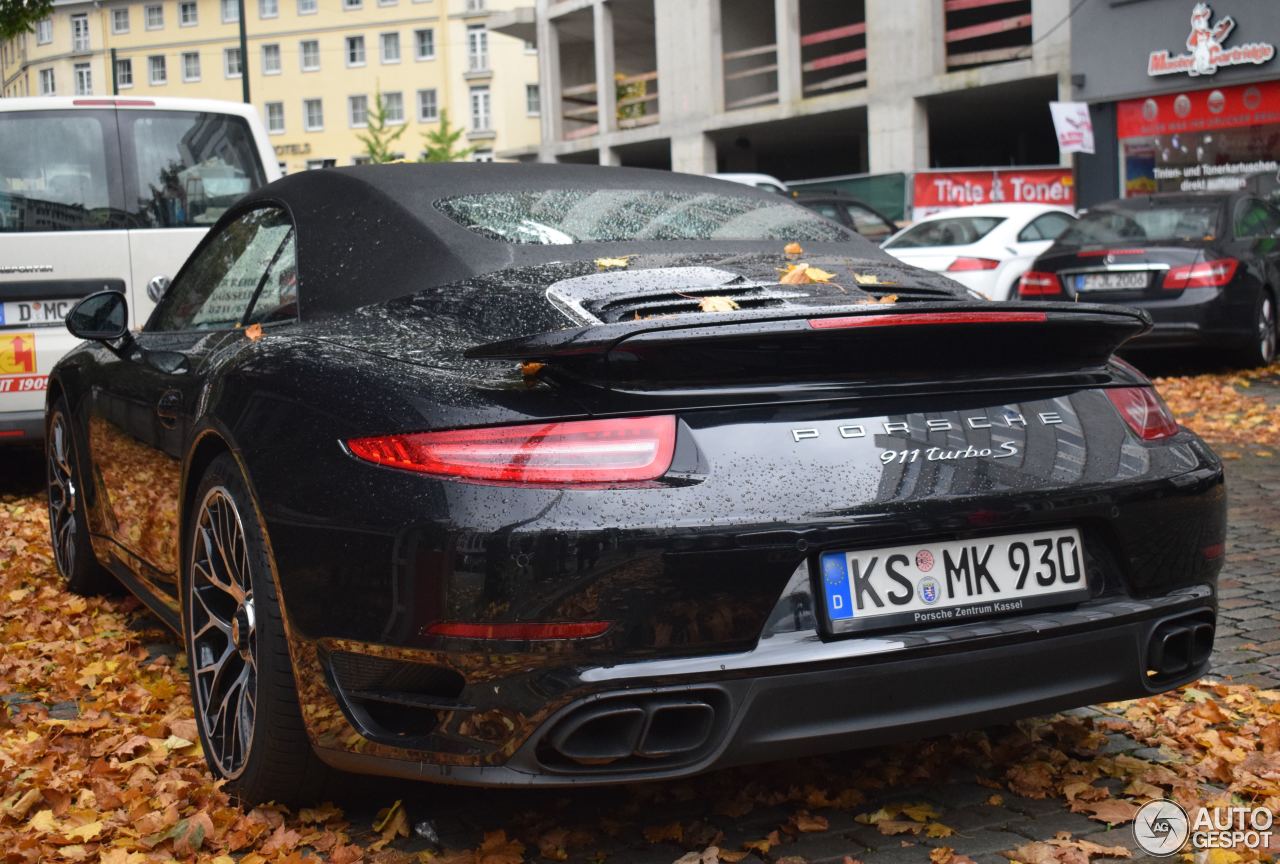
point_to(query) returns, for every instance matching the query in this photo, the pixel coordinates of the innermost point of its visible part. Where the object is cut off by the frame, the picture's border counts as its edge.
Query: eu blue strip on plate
(835, 585)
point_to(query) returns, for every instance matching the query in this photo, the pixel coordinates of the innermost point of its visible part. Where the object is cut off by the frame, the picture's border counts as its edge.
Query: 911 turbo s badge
(1006, 421)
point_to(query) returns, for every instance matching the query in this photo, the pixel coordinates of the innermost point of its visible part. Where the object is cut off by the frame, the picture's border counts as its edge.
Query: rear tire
(1260, 349)
(68, 527)
(242, 682)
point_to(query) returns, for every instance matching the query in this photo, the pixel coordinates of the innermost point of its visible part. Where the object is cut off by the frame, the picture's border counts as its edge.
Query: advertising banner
(935, 191)
(1073, 126)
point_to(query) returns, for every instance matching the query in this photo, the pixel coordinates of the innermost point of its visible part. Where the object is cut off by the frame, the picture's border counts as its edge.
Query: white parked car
(767, 182)
(986, 247)
(104, 194)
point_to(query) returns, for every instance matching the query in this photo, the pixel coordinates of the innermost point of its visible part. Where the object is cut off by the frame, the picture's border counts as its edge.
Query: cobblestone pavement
(1248, 650)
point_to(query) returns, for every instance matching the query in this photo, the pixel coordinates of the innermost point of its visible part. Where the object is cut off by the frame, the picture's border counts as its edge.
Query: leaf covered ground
(99, 760)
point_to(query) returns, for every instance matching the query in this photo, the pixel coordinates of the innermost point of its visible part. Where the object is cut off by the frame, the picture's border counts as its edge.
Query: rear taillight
(1144, 412)
(922, 319)
(1036, 284)
(1206, 274)
(964, 265)
(619, 450)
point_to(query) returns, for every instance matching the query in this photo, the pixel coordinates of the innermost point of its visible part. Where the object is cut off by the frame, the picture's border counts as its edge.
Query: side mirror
(100, 317)
(157, 287)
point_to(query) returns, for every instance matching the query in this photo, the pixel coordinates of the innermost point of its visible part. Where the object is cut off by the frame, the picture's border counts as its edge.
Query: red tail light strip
(524, 632)
(625, 449)
(917, 319)
(965, 265)
(1037, 284)
(109, 103)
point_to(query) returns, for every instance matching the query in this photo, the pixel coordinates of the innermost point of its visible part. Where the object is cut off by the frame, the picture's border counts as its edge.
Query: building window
(271, 59)
(358, 111)
(355, 50)
(393, 107)
(428, 106)
(188, 13)
(230, 12)
(268, 8)
(156, 71)
(120, 19)
(232, 66)
(424, 44)
(388, 2)
(306, 7)
(79, 32)
(44, 31)
(190, 66)
(530, 47)
(310, 55)
(275, 117)
(532, 100)
(124, 73)
(477, 48)
(475, 5)
(352, 4)
(390, 47)
(84, 79)
(153, 17)
(480, 121)
(313, 164)
(482, 156)
(313, 112)
(46, 82)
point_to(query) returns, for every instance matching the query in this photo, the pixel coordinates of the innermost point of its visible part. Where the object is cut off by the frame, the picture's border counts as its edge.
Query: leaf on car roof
(717, 304)
(793, 248)
(253, 332)
(871, 279)
(611, 263)
(803, 274)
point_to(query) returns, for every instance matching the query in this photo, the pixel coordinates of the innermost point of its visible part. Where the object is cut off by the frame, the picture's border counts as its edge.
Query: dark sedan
(1206, 267)
(509, 475)
(851, 213)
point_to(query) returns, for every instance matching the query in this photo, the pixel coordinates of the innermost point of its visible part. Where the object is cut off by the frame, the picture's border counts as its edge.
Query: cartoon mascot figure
(1204, 39)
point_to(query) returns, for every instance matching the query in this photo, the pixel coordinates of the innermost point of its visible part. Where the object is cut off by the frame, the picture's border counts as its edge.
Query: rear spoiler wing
(944, 338)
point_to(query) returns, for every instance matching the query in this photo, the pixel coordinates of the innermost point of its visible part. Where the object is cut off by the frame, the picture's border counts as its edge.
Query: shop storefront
(1185, 97)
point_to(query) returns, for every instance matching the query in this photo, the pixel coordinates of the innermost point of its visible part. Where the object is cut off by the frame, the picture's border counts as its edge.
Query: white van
(104, 193)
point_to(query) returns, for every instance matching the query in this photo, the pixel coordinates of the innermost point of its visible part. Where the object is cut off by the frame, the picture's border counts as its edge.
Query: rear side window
(868, 224)
(1158, 223)
(955, 231)
(215, 288)
(185, 168)
(1046, 227)
(57, 171)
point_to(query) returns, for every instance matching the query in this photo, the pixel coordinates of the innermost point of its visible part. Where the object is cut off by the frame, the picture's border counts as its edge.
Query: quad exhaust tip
(654, 727)
(1178, 647)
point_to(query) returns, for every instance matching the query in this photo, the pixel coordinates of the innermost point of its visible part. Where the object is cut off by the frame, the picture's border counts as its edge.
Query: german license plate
(1122, 281)
(952, 581)
(25, 313)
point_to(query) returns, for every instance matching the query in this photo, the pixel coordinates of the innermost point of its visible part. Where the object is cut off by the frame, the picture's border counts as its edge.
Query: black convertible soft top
(371, 233)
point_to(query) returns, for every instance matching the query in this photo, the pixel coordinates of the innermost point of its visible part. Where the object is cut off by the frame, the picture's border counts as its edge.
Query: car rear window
(185, 168)
(54, 173)
(1153, 224)
(954, 231)
(61, 170)
(555, 217)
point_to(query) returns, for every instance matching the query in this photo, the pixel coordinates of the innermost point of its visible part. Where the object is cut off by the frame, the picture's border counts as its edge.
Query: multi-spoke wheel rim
(222, 628)
(1267, 331)
(62, 495)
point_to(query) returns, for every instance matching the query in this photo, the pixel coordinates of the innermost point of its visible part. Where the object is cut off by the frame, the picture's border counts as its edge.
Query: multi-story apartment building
(314, 67)
(799, 88)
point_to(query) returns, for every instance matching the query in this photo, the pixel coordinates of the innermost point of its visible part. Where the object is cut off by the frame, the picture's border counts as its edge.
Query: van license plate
(25, 313)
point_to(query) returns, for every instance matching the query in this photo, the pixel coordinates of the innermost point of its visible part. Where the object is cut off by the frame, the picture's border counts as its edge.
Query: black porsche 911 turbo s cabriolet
(550, 475)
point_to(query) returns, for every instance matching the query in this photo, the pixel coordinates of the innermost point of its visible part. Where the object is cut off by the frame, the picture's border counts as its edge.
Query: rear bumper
(21, 427)
(1196, 317)
(885, 691)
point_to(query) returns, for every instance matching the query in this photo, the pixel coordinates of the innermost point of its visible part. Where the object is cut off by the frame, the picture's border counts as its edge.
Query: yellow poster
(17, 353)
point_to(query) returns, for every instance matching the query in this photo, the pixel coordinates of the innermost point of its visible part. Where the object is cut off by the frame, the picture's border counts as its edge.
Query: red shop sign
(940, 190)
(1200, 110)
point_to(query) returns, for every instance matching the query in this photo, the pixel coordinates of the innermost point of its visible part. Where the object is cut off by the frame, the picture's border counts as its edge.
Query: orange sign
(17, 353)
